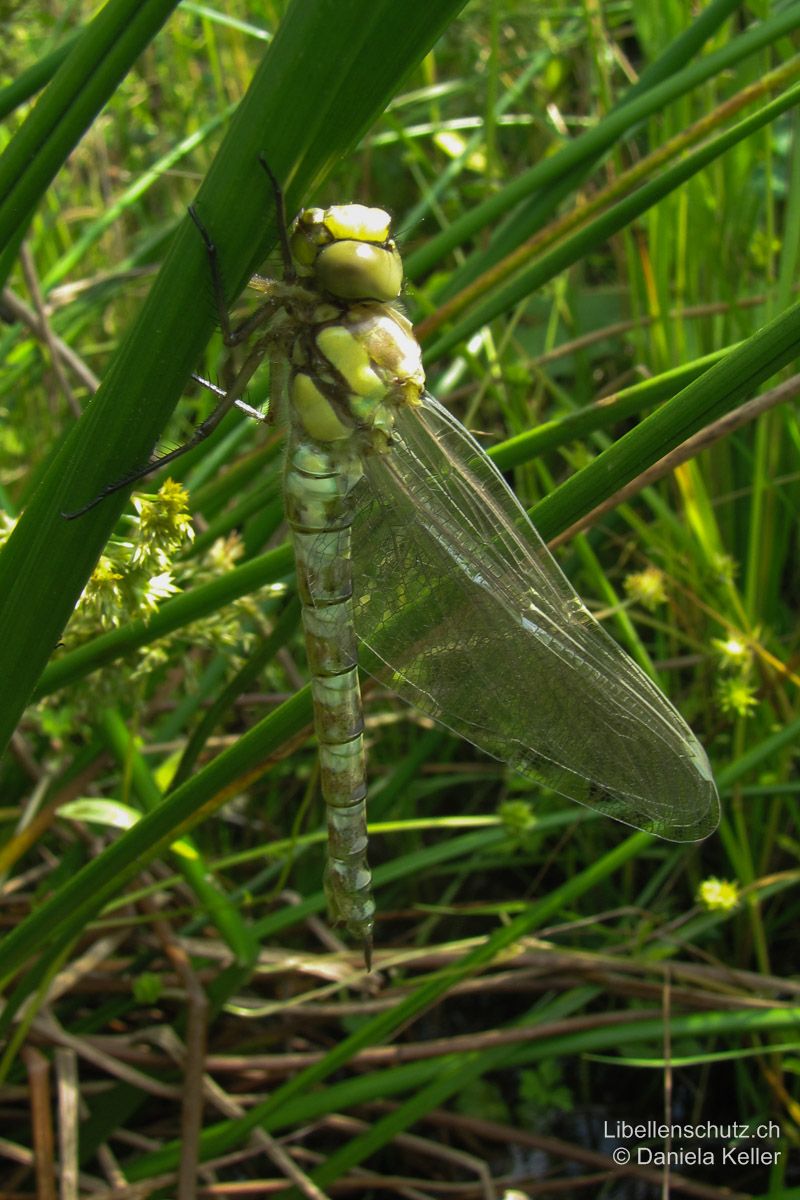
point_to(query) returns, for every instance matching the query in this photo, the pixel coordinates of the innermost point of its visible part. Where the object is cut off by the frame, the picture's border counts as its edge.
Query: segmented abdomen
(318, 483)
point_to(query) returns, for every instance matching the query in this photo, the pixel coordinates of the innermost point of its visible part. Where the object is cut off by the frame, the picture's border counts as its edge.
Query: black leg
(216, 278)
(242, 405)
(289, 273)
(228, 399)
(232, 336)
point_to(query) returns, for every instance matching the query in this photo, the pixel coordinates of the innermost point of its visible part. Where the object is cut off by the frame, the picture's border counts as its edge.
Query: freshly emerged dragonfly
(416, 562)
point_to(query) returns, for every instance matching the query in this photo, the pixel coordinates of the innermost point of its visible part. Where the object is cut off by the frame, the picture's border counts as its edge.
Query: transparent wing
(463, 611)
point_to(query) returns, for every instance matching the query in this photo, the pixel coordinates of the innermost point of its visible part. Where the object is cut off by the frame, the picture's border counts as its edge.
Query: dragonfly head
(348, 251)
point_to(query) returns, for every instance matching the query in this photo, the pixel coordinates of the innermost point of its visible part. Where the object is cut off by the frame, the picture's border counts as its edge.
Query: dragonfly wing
(461, 608)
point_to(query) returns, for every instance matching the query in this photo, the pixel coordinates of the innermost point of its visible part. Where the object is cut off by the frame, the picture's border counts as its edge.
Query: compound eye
(355, 270)
(307, 234)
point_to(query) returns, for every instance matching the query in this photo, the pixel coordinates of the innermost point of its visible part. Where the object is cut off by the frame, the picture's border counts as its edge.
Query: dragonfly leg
(289, 273)
(216, 278)
(228, 400)
(256, 413)
(232, 335)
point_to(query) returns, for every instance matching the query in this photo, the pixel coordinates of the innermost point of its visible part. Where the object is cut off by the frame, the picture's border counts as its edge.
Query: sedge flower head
(163, 525)
(517, 816)
(103, 597)
(647, 588)
(734, 653)
(737, 696)
(718, 895)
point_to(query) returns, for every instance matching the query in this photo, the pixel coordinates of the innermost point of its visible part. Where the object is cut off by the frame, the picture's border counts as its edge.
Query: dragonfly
(416, 562)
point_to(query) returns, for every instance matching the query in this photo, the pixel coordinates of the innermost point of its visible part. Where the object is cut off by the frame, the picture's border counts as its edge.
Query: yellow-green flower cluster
(517, 816)
(718, 895)
(646, 588)
(736, 693)
(134, 575)
(141, 568)
(164, 525)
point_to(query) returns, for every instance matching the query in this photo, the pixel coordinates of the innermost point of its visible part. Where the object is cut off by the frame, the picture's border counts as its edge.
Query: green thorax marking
(354, 358)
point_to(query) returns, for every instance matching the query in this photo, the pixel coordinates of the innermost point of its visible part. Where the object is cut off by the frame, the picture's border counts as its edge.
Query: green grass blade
(600, 138)
(379, 1028)
(303, 120)
(82, 897)
(104, 53)
(716, 392)
(605, 226)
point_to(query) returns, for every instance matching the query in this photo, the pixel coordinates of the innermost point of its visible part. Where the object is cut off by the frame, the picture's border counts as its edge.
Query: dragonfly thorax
(348, 251)
(351, 373)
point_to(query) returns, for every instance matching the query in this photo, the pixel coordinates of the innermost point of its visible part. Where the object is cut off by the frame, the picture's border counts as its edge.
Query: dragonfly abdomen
(318, 482)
